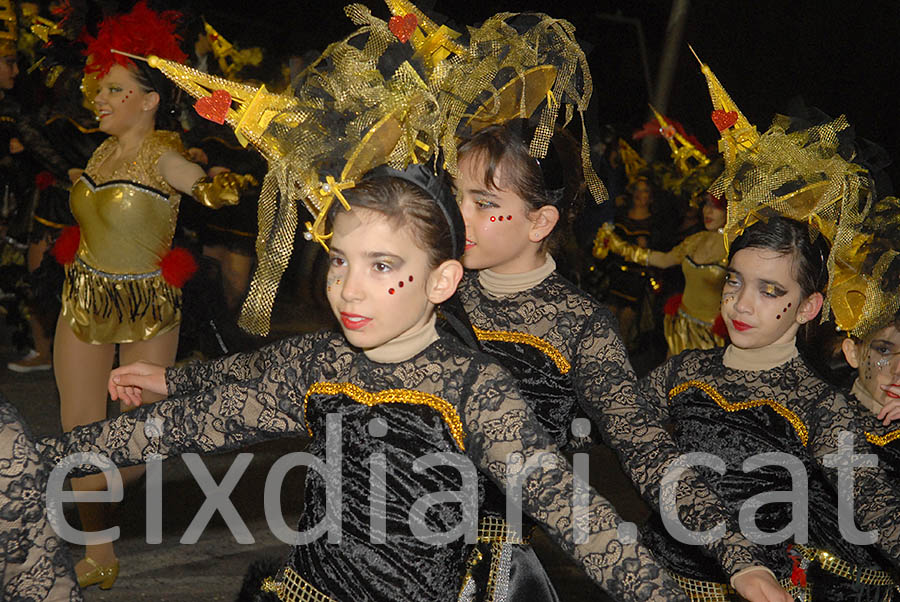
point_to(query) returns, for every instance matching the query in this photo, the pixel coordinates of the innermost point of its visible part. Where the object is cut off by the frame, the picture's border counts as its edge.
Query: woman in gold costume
(691, 323)
(123, 280)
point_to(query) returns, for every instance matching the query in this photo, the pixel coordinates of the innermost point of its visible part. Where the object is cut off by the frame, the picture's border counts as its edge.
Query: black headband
(436, 186)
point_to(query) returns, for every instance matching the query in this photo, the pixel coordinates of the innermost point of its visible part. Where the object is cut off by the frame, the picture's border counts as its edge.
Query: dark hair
(405, 204)
(503, 146)
(786, 236)
(153, 80)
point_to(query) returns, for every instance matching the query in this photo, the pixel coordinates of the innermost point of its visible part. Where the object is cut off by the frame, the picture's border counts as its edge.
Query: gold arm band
(224, 189)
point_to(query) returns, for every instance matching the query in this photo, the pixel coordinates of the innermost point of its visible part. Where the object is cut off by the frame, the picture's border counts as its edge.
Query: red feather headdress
(142, 32)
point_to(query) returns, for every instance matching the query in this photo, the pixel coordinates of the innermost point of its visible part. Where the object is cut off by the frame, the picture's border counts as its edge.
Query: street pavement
(214, 566)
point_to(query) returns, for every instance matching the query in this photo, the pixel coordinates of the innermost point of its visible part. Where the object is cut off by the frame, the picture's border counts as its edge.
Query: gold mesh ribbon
(846, 570)
(517, 66)
(713, 591)
(294, 588)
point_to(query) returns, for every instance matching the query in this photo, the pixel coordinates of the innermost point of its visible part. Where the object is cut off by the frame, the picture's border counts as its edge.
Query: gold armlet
(224, 189)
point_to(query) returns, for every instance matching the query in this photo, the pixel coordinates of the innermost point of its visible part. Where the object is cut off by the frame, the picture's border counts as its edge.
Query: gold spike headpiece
(230, 59)
(9, 29)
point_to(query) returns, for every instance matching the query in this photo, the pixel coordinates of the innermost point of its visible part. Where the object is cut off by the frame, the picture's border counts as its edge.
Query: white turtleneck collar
(510, 284)
(763, 358)
(406, 345)
(865, 398)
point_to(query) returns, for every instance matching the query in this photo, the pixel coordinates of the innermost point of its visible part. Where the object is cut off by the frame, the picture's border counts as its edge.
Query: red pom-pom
(66, 245)
(178, 266)
(719, 328)
(44, 180)
(672, 304)
(142, 32)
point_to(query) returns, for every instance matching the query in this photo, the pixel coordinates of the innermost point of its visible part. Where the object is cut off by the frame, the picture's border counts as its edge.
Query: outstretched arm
(632, 420)
(506, 441)
(218, 419)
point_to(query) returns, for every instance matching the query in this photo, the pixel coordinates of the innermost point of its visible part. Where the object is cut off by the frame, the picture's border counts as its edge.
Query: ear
(443, 280)
(151, 101)
(543, 221)
(810, 308)
(851, 352)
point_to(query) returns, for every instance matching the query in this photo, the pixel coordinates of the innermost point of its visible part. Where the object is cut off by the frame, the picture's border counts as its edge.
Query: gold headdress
(516, 66)
(799, 175)
(635, 166)
(9, 31)
(230, 59)
(365, 102)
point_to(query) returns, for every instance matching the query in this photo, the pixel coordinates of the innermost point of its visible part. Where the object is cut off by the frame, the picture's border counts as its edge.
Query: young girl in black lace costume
(561, 344)
(34, 563)
(397, 391)
(759, 396)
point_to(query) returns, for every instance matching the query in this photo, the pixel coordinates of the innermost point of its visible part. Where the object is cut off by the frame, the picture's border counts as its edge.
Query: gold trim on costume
(712, 591)
(728, 406)
(448, 412)
(48, 223)
(293, 588)
(882, 440)
(844, 569)
(526, 339)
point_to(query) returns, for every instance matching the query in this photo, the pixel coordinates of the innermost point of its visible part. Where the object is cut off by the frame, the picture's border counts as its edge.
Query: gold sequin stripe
(448, 412)
(844, 569)
(294, 588)
(713, 591)
(526, 339)
(728, 406)
(880, 440)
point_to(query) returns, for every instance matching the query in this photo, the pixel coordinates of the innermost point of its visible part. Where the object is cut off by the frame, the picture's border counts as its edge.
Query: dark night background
(838, 56)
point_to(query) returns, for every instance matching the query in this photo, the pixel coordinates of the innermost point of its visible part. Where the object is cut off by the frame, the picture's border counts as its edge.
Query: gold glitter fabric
(526, 339)
(882, 440)
(293, 588)
(729, 406)
(408, 396)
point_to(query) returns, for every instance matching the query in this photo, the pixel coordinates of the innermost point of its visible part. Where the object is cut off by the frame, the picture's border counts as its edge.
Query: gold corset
(114, 291)
(702, 289)
(126, 228)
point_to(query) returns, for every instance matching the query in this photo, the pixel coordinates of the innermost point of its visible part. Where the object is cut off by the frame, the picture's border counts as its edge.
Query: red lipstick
(354, 321)
(740, 326)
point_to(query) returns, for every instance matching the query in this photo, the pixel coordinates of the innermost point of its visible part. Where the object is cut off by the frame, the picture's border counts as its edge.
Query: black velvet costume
(736, 414)
(34, 563)
(443, 399)
(563, 348)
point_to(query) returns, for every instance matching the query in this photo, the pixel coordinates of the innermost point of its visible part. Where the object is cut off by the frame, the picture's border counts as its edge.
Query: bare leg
(82, 370)
(235, 273)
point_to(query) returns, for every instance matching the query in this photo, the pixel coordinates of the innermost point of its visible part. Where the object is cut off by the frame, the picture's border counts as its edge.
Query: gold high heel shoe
(104, 575)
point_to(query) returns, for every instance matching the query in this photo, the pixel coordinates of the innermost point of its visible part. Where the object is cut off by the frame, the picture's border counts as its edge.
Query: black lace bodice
(734, 415)
(34, 563)
(444, 399)
(885, 440)
(564, 348)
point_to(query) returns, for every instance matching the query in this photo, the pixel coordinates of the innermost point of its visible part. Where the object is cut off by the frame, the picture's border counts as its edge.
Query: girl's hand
(891, 410)
(127, 383)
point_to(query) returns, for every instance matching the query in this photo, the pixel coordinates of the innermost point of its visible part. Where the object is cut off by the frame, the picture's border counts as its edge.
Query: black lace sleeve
(198, 376)
(507, 442)
(34, 563)
(876, 499)
(222, 418)
(632, 418)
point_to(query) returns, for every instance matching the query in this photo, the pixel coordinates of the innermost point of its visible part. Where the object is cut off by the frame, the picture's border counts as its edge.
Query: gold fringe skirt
(118, 308)
(683, 331)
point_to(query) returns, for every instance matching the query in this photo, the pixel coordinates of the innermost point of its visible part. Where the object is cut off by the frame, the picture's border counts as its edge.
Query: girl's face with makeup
(762, 302)
(878, 362)
(377, 280)
(497, 221)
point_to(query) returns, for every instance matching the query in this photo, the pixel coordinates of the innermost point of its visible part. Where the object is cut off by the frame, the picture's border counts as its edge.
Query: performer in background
(122, 282)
